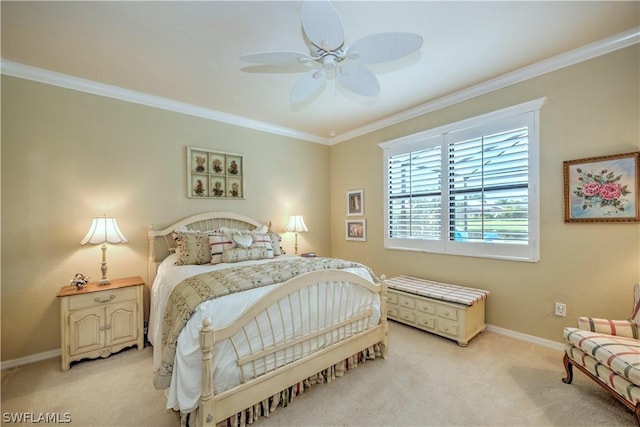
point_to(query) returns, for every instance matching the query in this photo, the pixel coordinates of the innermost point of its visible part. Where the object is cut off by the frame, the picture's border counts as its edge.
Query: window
(468, 188)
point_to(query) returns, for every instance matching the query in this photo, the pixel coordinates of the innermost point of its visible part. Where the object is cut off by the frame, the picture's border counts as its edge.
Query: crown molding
(40, 75)
(572, 57)
(584, 53)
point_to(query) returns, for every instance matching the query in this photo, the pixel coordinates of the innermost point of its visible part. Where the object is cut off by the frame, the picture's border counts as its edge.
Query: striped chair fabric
(610, 351)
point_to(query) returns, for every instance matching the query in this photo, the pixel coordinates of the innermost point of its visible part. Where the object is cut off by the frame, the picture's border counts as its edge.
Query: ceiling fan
(328, 53)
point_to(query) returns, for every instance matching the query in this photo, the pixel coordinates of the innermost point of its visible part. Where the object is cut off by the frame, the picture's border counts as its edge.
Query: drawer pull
(102, 328)
(96, 299)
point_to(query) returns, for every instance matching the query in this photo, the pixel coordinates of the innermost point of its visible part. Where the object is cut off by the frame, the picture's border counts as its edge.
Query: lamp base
(104, 282)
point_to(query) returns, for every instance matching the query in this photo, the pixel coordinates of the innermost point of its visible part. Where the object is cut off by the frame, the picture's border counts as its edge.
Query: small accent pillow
(218, 243)
(244, 254)
(275, 244)
(261, 230)
(260, 239)
(243, 240)
(192, 248)
(232, 231)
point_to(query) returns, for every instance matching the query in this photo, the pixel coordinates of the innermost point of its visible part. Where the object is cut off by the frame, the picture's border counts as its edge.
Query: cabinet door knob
(99, 300)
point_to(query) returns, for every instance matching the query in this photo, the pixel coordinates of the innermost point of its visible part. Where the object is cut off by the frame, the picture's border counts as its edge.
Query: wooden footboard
(281, 363)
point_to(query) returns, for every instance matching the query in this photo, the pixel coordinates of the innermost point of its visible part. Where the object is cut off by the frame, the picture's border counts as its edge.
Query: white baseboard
(30, 359)
(502, 331)
(554, 345)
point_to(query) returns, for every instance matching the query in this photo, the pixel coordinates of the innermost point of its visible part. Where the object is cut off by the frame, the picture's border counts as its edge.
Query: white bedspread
(184, 391)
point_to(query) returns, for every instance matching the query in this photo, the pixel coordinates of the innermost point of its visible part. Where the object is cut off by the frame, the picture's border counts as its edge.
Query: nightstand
(96, 321)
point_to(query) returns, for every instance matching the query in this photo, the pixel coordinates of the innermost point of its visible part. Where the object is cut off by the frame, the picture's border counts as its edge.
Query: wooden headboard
(206, 221)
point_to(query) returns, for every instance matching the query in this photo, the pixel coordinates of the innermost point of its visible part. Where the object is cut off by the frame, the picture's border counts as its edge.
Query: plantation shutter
(415, 195)
(488, 188)
(467, 188)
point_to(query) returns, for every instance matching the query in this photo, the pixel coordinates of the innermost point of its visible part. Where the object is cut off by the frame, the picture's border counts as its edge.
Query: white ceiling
(189, 51)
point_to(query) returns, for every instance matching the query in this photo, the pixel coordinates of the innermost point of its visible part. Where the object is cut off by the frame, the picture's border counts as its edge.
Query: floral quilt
(188, 294)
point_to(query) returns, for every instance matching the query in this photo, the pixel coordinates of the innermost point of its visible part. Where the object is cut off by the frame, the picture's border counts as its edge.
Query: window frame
(500, 120)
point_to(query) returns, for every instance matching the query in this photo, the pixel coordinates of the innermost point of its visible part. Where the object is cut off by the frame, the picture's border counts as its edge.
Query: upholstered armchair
(608, 351)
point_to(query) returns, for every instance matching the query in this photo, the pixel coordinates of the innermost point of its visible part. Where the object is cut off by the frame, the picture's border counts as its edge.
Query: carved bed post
(383, 316)
(151, 270)
(207, 340)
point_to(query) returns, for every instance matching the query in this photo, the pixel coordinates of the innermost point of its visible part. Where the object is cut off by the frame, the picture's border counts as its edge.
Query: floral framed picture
(356, 229)
(355, 202)
(602, 189)
(214, 174)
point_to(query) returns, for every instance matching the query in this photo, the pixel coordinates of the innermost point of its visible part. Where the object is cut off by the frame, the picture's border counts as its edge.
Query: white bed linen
(184, 391)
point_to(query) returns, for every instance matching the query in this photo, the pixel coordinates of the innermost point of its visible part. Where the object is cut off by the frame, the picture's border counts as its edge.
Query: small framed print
(356, 229)
(234, 166)
(214, 174)
(217, 163)
(199, 186)
(234, 188)
(602, 189)
(355, 202)
(218, 187)
(199, 161)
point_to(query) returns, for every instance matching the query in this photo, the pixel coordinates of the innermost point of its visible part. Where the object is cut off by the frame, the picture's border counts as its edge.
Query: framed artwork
(356, 229)
(355, 202)
(214, 174)
(602, 189)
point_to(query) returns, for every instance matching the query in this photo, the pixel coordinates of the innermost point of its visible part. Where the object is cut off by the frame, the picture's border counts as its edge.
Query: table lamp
(102, 230)
(297, 225)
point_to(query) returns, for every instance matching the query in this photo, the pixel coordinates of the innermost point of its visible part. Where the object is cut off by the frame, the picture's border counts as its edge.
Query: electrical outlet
(561, 309)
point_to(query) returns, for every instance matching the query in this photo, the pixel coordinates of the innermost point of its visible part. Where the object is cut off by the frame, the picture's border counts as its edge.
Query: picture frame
(602, 189)
(214, 174)
(356, 229)
(355, 202)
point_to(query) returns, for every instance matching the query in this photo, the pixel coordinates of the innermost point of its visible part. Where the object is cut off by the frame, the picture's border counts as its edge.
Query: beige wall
(592, 109)
(68, 156)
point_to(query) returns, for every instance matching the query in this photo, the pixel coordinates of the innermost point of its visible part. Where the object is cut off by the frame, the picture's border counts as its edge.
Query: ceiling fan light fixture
(323, 29)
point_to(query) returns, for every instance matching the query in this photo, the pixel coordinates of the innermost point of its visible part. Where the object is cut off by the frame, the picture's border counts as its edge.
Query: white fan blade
(277, 58)
(322, 24)
(358, 79)
(384, 47)
(308, 86)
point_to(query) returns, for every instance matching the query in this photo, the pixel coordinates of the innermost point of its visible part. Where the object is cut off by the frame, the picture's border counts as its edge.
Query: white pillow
(243, 240)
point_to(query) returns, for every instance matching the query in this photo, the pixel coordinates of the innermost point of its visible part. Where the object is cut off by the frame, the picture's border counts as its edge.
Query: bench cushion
(436, 290)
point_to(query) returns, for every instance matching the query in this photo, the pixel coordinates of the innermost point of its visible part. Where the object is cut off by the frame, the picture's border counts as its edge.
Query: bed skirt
(285, 397)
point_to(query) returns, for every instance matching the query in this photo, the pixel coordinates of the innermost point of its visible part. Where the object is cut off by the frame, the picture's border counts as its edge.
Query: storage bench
(454, 312)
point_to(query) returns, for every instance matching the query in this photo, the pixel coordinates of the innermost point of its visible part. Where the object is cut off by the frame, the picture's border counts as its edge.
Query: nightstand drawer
(102, 297)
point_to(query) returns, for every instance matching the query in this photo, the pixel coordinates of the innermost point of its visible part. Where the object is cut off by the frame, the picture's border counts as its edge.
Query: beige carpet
(426, 381)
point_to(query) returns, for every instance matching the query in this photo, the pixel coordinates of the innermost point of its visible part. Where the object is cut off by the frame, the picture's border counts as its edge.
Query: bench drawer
(447, 312)
(407, 316)
(406, 301)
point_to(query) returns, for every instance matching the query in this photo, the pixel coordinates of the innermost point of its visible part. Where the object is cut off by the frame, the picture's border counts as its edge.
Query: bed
(243, 334)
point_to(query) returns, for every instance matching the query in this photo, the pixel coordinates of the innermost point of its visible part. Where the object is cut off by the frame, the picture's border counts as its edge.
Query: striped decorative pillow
(218, 243)
(623, 328)
(244, 254)
(260, 239)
